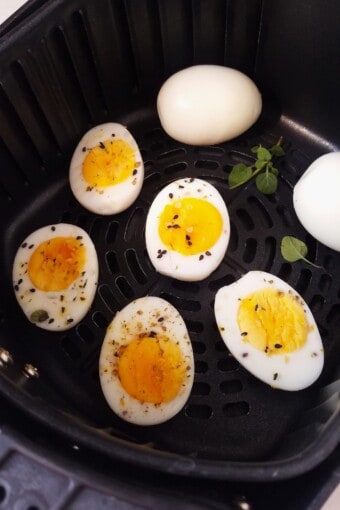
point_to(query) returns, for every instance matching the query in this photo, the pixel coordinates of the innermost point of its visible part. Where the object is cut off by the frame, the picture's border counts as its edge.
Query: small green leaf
(259, 164)
(263, 154)
(39, 316)
(274, 171)
(255, 149)
(277, 150)
(239, 174)
(293, 249)
(266, 183)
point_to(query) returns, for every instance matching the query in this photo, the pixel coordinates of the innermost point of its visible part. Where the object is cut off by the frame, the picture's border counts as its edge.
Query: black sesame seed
(256, 308)
(208, 253)
(175, 217)
(50, 321)
(244, 354)
(20, 281)
(32, 290)
(69, 321)
(30, 246)
(171, 195)
(135, 171)
(16, 287)
(277, 346)
(244, 333)
(84, 149)
(79, 237)
(23, 245)
(161, 319)
(201, 257)
(53, 229)
(191, 179)
(275, 376)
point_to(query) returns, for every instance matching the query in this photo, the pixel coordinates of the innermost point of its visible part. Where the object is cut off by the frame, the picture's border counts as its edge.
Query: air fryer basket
(74, 64)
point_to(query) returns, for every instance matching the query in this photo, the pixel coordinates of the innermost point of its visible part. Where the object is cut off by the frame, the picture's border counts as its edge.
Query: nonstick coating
(230, 415)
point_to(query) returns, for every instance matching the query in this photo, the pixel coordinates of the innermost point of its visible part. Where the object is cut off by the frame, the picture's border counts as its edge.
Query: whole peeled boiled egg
(187, 229)
(106, 171)
(146, 363)
(55, 276)
(270, 330)
(316, 199)
(208, 104)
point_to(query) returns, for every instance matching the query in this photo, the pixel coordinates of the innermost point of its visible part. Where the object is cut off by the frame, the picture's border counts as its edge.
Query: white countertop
(8, 7)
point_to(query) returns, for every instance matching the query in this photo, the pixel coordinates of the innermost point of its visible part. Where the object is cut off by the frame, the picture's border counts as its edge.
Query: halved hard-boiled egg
(187, 230)
(270, 330)
(146, 362)
(106, 170)
(55, 276)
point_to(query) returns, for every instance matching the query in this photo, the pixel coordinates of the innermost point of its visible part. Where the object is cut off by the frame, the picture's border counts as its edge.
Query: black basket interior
(74, 64)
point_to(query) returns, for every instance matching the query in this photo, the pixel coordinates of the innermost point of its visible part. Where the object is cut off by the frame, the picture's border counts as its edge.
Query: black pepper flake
(201, 257)
(16, 287)
(191, 179)
(113, 134)
(187, 237)
(101, 145)
(161, 253)
(79, 237)
(135, 171)
(256, 308)
(244, 354)
(277, 346)
(161, 319)
(50, 321)
(244, 333)
(175, 217)
(152, 334)
(69, 321)
(30, 246)
(62, 309)
(171, 195)
(84, 149)
(275, 376)
(208, 253)
(89, 188)
(32, 290)
(266, 349)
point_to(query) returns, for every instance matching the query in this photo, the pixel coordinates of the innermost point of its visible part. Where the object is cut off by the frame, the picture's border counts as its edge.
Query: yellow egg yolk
(109, 163)
(273, 321)
(152, 369)
(56, 263)
(190, 225)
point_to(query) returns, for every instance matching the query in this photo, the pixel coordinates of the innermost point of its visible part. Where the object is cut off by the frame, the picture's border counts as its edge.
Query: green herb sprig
(263, 168)
(293, 249)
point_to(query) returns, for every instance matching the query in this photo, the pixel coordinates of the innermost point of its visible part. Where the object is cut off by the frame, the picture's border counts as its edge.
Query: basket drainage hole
(3, 493)
(234, 409)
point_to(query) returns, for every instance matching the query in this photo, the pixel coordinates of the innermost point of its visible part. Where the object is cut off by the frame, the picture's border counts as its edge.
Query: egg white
(208, 104)
(172, 263)
(137, 318)
(64, 308)
(316, 199)
(291, 371)
(112, 199)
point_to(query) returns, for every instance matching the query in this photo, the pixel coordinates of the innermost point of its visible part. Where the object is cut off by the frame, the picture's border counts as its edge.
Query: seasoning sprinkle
(171, 195)
(53, 229)
(244, 354)
(244, 333)
(201, 257)
(256, 308)
(23, 245)
(101, 145)
(275, 376)
(135, 171)
(277, 346)
(208, 253)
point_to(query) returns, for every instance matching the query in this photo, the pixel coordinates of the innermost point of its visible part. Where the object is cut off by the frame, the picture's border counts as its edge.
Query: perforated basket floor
(233, 426)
